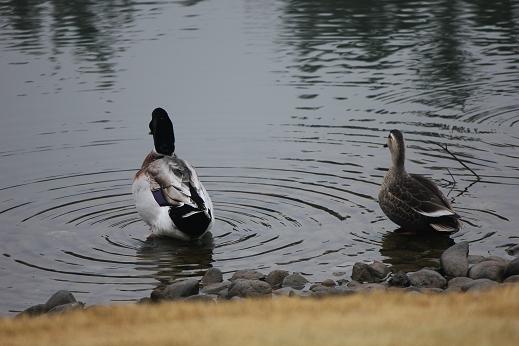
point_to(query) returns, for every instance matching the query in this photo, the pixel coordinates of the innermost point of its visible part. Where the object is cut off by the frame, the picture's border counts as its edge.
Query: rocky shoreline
(458, 272)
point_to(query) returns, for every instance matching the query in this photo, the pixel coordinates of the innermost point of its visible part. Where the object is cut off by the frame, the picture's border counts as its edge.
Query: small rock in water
(512, 268)
(328, 283)
(491, 270)
(248, 274)
(479, 285)
(427, 278)
(339, 273)
(370, 273)
(454, 260)
(66, 307)
(249, 288)
(513, 250)
(60, 298)
(176, 290)
(399, 279)
(275, 278)
(212, 276)
(295, 280)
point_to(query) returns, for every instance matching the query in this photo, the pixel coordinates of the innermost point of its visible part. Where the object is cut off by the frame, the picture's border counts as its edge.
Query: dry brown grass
(378, 319)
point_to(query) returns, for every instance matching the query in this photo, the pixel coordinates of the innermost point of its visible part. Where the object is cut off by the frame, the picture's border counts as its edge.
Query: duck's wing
(427, 199)
(169, 182)
(174, 182)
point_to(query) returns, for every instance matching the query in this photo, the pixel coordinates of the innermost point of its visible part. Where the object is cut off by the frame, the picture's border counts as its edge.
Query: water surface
(283, 107)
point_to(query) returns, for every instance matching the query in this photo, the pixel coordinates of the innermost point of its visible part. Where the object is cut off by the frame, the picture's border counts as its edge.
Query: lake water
(283, 107)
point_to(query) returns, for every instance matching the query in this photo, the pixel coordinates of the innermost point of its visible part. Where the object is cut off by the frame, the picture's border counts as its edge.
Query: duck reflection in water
(169, 259)
(411, 252)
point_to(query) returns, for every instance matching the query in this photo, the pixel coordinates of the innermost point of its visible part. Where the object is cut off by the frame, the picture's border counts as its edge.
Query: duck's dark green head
(395, 143)
(161, 128)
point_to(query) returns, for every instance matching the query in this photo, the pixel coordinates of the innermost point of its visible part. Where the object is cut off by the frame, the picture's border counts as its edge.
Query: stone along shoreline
(458, 272)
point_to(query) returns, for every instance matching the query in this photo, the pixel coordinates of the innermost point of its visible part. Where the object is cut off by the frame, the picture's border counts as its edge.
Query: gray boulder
(427, 278)
(513, 250)
(34, 310)
(492, 270)
(512, 279)
(370, 273)
(275, 278)
(295, 280)
(216, 288)
(479, 285)
(473, 259)
(248, 274)
(206, 298)
(60, 298)
(249, 288)
(329, 283)
(459, 282)
(177, 290)
(399, 279)
(454, 261)
(512, 268)
(212, 276)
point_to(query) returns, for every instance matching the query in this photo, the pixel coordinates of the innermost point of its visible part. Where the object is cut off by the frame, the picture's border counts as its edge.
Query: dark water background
(283, 106)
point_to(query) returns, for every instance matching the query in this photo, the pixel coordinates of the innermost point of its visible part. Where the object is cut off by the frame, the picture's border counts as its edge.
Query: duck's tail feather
(448, 224)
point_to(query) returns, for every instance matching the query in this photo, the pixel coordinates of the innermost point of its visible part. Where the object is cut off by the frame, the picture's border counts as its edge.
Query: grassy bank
(490, 318)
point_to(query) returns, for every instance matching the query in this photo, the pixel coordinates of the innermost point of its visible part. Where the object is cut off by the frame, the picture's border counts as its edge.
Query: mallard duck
(168, 194)
(412, 201)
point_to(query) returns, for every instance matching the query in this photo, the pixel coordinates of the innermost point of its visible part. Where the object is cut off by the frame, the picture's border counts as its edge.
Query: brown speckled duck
(412, 201)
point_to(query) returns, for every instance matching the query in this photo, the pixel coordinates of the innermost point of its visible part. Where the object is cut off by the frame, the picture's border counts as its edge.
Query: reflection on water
(282, 105)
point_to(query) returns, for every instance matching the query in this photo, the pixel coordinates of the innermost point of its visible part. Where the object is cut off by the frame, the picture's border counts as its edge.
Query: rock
(247, 274)
(321, 290)
(399, 279)
(177, 290)
(512, 279)
(492, 270)
(284, 291)
(60, 298)
(145, 300)
(474, 259)
(370, 273)
(248, 288)
(479, 285)
(497, 259)
(431, 290)
(34, 310)
(512, 268)
(454, 261)
(328, 283)
(513, 250)
(207, 298)
(59, 309)
(216, 287)
(295, 280)
(275, 278)
(339, 273)
(212, 276)
(353, 284)
(458, 282)
(370, 287)
(427, 278)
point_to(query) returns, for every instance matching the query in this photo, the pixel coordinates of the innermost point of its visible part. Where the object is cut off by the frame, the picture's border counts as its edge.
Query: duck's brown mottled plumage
(412, 201)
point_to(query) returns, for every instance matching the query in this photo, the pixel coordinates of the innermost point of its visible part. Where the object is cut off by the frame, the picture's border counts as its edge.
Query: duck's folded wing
(197, 191)
(168, 183)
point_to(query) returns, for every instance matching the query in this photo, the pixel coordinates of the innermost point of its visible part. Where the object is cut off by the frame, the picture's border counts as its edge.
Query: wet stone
(295, 280)
(249, 288)
(177, 290)
(399, 279)
(328, 283)
(491, 270)
(212, 276)
(370, 273)
(67, 307)
(216, 287)
(512, 268)
(248, 274)
(427, 278)
(60, 298)
(34, 310)
(454, 260)
(513, 250)
(479, 285)
(275, 278)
